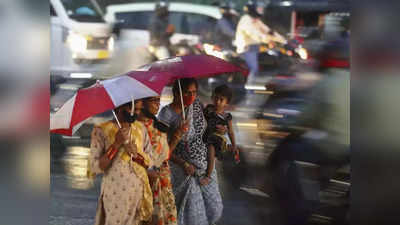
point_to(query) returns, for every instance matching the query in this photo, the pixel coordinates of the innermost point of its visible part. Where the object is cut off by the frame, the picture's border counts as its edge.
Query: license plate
(103, 55)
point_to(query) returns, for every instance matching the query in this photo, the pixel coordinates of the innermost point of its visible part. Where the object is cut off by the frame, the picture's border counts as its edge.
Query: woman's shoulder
(106, 126)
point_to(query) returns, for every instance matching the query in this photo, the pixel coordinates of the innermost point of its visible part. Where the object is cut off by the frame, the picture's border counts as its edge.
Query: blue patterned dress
(196, 205)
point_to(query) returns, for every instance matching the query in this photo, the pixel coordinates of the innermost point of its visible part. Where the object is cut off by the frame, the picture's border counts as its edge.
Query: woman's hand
(189, 169)
(204, 181)
(184, 126)
(153, 176)
(221, 129)
(122, 136)
(131, 149)
(182, 129)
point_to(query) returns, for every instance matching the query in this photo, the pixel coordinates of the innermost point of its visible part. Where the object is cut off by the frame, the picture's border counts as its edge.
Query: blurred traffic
(291, 114)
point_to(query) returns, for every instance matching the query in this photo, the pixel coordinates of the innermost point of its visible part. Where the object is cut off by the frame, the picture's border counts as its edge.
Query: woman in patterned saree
(196, 204)
(160, 175)
(122, 155)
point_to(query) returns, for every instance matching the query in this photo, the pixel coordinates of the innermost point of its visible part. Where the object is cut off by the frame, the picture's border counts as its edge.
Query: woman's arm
(189, 168)
(99, 159)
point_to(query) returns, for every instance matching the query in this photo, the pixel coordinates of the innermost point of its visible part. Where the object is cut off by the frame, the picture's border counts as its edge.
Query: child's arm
(234, 148)
(231, 134)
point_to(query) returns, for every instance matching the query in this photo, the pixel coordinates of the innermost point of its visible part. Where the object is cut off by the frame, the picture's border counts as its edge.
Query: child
(217, 143)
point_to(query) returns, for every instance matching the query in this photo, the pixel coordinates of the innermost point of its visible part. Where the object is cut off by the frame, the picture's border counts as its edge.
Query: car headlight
(208, 48)
(211, 50)
(77, 42)
(303, 53)
(111, 43)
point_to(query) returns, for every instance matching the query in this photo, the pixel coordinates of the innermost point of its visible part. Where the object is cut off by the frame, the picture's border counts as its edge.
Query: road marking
(255, 191)
(246, 124)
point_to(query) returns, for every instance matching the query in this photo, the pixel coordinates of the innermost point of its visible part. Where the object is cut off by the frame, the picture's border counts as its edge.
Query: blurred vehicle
(281, 56)
(277, 57)
(178, 49)
(235, 80)
(303, 18)
(81, 40)
(303, 188)
(191, 21)
(305, 163)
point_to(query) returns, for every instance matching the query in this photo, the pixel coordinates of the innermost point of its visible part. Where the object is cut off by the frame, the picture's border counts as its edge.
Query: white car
(190, 21)
(81, 40)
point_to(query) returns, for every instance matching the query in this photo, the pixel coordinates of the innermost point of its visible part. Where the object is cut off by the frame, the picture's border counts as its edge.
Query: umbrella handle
(180, 92)
(133, 106)
(116, 118)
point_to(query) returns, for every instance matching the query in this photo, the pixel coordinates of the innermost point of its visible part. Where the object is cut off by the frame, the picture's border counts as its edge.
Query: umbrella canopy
(106, 95)
(193, 66)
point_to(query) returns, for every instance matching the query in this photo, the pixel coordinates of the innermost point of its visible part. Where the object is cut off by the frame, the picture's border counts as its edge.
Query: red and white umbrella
(106, 95)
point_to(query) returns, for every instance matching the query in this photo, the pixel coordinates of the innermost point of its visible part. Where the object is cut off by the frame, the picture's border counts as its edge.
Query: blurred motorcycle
(277, 55)
(307, 190)
(234, 80)
(179, 49)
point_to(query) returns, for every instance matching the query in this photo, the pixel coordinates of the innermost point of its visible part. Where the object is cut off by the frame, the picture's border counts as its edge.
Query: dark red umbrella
(194, 66)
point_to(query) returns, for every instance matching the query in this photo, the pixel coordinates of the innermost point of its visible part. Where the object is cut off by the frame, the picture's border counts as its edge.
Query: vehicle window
(141, 20)
(82, 11)
(52, 11)
(176, 18)
(134, 20)
(197, 24)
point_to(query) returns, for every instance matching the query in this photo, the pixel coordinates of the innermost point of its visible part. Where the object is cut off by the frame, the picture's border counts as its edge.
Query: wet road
(74, 198)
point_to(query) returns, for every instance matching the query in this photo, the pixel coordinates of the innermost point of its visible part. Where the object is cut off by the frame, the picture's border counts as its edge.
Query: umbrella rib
(180, 92)
(119, 125)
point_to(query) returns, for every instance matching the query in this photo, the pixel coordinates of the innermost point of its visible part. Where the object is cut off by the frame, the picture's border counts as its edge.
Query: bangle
(186, 164)
(108, 153)
(177, 136)
(112, 153)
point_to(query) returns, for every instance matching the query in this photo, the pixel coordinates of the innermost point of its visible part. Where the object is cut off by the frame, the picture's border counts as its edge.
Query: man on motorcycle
(250, 32)
(327, 114)
(161, 31)
(225, 28)
(321, 135)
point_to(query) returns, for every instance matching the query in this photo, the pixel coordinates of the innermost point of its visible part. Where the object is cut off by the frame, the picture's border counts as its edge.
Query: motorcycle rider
(325, 139)
(161, 31)
(225, 28)
(250, 32)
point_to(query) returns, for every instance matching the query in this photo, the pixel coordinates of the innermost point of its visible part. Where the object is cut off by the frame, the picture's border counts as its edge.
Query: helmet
(162, 8)
(226, 7)
(251, 8)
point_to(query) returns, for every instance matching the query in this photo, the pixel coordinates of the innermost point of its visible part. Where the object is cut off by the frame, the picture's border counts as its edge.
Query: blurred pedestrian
(196, 204)
(250, 32)
(121, 154)
(219, 146)
(161, 30)
(160, 174)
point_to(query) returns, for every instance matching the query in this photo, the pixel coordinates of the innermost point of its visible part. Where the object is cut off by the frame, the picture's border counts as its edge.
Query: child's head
(222, 96)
